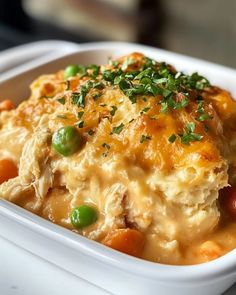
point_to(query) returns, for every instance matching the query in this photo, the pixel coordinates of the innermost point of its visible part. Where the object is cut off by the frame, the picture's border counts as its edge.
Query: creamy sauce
(127, 167)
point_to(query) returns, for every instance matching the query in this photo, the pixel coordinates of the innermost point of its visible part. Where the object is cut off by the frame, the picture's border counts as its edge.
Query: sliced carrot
(6, 105)
(129, 241)
(8, 170)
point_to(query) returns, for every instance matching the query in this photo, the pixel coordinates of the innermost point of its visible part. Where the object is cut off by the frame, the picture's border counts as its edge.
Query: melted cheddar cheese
(142, 167)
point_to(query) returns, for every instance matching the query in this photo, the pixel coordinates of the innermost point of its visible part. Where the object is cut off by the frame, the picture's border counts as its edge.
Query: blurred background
(200, 28)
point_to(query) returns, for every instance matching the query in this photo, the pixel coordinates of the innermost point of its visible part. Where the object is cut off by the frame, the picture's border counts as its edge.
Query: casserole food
(146, 139)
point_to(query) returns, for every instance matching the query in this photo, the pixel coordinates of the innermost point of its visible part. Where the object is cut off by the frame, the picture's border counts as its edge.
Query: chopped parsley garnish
(172, 138)
(80, 115)
(82, 71)
(80, 124)
(124, 85)
(113, 63)
(91, 132)
(118, 129)
(144, 138)
(109, 76)
(61, 117)
(200, 107)
(78, 99)
(160, 80)
(172, 91)
(170, 102)
(96, 95)
(164, 107)
(198, 82)
(189, 134)
(97, 85)
(206, 128)
(149, 62)
(113, 111)
(204, 117)
(45, 97)
(105, 145)
(145, 110)
(95, 70)
(67, 84)
(61, 100)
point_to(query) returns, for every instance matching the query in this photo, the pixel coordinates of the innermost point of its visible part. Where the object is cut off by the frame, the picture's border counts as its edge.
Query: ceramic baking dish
(104, 267)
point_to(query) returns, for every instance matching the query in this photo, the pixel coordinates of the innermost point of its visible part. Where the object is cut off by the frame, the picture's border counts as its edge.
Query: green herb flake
(206, 128)
(189, 134)
(109, 76)
(164, 107)
(61, 117)
(160, 80)
(145, 110)
(118, 129)
(113, 111)
(199, 82)
(148, 62)
(191, 127)
(124, 85)
(98, 85)
(80, 115)
(78, 99)
(95, 70)
(204, 117)
(91, 132)
(183, 103)
(187, 137)
(172, 138)
(106, 146)
(45, 97)
(166, 93)
(113, 63)
(147, 72)
(67, 85)
(144, 138)
(96, 95)
(200, 107)
(80, 124)
(61, 100)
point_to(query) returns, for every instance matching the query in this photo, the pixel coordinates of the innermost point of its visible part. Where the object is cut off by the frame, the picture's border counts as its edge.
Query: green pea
(71, 71)
(83, 216)
(67, 140)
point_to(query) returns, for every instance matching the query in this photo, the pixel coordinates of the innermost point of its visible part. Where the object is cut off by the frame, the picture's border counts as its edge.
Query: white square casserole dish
(111, 270)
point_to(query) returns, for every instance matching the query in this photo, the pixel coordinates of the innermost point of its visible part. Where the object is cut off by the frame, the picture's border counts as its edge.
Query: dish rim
(223, 266)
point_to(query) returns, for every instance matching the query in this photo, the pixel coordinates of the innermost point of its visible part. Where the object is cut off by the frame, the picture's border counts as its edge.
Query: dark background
(203, 28)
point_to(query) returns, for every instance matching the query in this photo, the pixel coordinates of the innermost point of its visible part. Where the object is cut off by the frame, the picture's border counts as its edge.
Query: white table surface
(22, 273)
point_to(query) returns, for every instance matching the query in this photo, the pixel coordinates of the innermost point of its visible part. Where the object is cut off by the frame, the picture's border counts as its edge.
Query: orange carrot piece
(6, 105)
(129, 241)
(8, 170)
